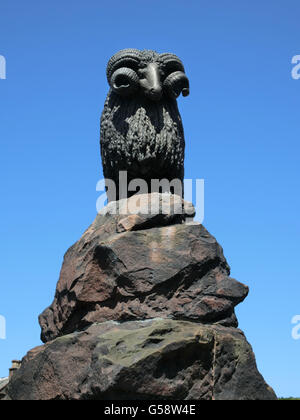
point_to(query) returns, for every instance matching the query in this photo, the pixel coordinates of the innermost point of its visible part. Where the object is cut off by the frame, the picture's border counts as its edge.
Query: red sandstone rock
(135, 267)
(154, 359)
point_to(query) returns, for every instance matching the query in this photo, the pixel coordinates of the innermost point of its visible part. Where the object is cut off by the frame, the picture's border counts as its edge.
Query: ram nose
(151, 83)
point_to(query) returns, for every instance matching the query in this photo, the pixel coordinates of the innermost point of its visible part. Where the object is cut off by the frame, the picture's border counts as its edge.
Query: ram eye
(142, 73)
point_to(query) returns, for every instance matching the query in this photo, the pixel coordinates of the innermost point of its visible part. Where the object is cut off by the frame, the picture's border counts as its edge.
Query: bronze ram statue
(141, 128)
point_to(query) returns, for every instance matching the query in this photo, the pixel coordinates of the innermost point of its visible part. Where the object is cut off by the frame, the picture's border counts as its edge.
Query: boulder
(143, 265)
(143, 309)
(155, 359)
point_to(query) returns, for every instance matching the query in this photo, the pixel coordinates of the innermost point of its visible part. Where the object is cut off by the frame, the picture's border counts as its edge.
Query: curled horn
(176, 82)
(172, 62)
(125, 58)
(124, 81)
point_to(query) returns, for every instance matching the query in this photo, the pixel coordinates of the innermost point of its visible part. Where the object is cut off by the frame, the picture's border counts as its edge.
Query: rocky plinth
(135, 267)
(143, 309)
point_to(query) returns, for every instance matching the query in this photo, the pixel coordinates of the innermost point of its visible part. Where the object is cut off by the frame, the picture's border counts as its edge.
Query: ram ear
(177, 83)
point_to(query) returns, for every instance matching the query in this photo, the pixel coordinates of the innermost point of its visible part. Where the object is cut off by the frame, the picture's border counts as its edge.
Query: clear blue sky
(242, 134)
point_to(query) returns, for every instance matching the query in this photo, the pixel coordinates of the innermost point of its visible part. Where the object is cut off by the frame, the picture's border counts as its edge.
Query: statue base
(143, 309)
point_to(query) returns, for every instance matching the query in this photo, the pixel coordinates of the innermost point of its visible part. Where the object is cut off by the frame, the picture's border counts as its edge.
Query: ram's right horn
(177, 83)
